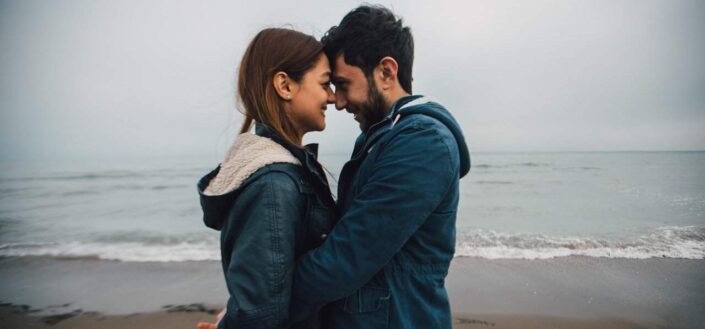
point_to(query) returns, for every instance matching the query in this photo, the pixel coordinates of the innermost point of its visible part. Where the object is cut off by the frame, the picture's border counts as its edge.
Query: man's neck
(394, 97)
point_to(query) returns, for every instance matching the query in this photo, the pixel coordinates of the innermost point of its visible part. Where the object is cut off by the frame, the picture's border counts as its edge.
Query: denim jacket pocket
(368, 299)
(369, 307)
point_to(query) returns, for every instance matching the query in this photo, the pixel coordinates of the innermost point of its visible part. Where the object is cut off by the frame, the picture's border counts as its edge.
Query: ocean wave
(75, 176)
(492, 182)
(106, 175)
(534, 165)
(686, 242)
(126, 252)
(150, 238)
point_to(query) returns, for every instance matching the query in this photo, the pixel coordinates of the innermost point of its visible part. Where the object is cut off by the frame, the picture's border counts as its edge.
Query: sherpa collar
(248, 154)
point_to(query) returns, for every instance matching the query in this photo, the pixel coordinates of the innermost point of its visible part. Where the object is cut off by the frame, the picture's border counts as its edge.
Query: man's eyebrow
(338, 79)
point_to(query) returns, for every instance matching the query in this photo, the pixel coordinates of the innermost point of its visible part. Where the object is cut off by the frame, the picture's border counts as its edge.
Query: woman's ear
(284, 85)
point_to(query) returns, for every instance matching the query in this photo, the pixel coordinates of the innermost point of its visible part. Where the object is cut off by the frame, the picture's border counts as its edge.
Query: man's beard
(373, 110)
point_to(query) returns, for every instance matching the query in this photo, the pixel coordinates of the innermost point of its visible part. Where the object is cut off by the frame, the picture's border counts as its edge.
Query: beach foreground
(570, 292)
(13, 317)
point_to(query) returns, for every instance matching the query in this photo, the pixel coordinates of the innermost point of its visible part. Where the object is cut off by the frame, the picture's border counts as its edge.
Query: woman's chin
(316, 129)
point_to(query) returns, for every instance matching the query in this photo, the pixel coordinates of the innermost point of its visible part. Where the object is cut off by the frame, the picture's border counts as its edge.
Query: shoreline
(568, 292)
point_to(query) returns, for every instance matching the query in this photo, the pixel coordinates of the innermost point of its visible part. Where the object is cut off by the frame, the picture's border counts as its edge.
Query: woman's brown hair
(271, 51)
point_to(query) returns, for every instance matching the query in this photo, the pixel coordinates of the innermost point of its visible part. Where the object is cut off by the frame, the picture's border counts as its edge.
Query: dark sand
(661, 291)
(571, 292)
(11, 317)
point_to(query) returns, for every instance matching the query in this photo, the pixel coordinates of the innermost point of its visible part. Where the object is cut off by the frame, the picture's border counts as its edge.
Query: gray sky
(134, 78)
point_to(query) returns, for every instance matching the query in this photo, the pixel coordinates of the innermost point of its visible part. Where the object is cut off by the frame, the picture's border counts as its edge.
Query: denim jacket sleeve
(260, 271)
(411, 175)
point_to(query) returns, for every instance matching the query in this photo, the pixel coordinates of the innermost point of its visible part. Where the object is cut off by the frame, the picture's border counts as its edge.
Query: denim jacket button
(323, 236)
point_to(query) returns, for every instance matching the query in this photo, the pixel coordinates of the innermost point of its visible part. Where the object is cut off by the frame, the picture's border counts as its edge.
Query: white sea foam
(126, 252)
(671, 242)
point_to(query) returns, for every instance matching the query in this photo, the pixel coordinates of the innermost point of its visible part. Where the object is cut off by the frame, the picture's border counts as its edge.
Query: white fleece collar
(248, 154)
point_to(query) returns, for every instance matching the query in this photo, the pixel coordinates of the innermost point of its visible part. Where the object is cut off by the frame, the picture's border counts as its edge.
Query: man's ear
(387, 71)
(284, 85)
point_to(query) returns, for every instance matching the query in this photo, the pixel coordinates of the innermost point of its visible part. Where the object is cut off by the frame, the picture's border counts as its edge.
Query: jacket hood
(219, 188)
(422, 105)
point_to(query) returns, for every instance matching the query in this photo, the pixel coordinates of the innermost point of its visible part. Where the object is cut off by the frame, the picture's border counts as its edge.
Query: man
(385, 262)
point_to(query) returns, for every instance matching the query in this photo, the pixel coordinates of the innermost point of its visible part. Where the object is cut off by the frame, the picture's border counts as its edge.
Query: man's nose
(340, 101)
(331, 97)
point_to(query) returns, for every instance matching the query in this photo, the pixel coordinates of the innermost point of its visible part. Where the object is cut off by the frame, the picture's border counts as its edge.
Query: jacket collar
(264, 130)
(401, 103)
(370, 136)
(396, 107)
(308, 155)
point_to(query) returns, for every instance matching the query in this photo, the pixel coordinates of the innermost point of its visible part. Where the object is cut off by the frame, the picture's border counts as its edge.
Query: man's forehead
(345, 71)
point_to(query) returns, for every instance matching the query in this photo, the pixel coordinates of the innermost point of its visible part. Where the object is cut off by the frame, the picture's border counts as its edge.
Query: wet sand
(11, 317)
(571, 292)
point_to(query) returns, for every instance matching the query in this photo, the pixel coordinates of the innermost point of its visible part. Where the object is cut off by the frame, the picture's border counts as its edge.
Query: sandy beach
(12, 317)
(570, 292)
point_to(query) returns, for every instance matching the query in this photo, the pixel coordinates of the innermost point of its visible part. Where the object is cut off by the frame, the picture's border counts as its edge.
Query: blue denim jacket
(384, 264)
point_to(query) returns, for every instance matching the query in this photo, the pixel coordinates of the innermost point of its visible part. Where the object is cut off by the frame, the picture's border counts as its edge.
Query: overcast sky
(135, 78)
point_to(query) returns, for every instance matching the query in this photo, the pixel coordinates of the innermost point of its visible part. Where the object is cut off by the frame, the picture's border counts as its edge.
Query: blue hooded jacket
(384, 263)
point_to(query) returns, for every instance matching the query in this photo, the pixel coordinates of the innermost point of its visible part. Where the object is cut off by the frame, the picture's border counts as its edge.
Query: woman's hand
(210, 325)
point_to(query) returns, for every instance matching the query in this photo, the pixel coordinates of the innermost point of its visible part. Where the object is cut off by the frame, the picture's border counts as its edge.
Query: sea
(634, 205)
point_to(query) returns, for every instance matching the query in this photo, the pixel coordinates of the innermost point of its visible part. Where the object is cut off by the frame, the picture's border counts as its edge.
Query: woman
(269, 197)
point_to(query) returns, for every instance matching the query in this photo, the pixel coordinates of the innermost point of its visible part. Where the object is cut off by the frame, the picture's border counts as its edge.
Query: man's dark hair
(366, 35)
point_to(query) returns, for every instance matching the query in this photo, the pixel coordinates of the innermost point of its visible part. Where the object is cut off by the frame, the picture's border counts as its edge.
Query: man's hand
(210, 325)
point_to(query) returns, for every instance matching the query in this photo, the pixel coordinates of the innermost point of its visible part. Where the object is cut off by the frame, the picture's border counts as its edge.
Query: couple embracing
(377, 257)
